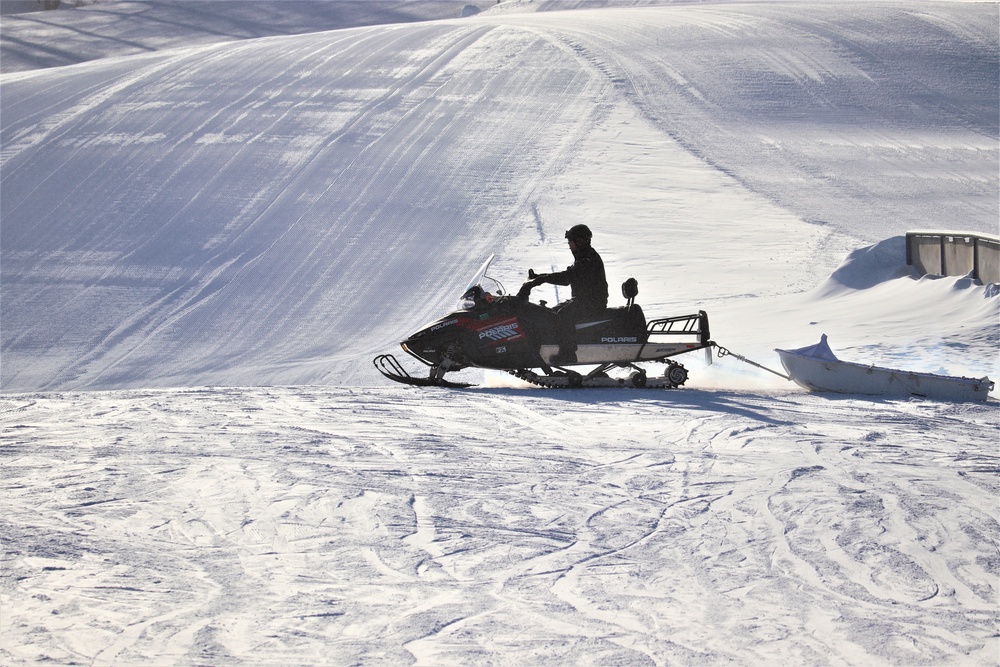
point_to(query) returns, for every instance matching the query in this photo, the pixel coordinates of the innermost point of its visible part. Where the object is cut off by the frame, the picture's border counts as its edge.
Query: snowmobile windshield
(480, 287)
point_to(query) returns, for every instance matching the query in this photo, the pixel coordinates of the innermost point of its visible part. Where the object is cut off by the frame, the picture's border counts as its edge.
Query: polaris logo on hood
(505, 330)
(442, 325)
(620, 339)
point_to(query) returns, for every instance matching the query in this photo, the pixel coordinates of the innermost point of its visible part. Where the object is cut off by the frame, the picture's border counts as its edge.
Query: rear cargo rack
(689, 330)
(691, 326)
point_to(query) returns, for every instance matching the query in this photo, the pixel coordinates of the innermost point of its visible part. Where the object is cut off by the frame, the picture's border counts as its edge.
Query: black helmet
(579, 232)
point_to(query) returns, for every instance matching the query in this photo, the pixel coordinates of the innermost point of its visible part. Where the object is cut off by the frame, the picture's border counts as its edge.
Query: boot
(565, 356)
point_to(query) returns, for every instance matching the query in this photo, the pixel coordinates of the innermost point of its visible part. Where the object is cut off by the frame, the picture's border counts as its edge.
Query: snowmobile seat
(619, 325)
(630, 290)
(627, 319)
(632, 317)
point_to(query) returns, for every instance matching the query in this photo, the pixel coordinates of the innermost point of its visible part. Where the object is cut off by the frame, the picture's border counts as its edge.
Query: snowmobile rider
(589, 287)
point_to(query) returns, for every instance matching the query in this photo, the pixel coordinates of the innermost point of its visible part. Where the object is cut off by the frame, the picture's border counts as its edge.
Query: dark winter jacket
(586, 279)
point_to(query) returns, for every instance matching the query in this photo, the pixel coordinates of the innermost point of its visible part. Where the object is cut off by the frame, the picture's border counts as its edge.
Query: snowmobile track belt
(582, 382)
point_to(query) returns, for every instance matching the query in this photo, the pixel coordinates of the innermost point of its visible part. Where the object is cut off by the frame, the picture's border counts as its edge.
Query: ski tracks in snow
(248, 231)
(314, 525)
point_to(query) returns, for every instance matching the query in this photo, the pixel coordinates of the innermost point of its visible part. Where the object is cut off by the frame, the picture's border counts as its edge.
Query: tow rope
(723, 352)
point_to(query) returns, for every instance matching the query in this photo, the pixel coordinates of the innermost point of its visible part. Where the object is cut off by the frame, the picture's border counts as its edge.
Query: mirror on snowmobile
(471, 298)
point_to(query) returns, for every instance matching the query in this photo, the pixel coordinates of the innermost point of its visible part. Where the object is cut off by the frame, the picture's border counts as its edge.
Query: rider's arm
(559, 278)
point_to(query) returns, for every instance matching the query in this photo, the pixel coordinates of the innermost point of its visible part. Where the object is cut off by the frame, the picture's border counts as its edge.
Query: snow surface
(213, 236)
(103, 28)
(313, 525)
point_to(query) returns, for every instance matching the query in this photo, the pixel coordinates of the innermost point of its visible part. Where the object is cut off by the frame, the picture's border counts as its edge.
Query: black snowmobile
(503, 332)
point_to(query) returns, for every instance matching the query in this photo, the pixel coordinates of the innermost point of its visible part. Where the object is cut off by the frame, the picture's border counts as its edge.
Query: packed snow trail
(803, 103)
(106, 29)
(337, 526)
(298, 205)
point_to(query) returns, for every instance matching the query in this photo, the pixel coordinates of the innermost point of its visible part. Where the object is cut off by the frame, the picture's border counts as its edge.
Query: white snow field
(210, 227)
(377, 525)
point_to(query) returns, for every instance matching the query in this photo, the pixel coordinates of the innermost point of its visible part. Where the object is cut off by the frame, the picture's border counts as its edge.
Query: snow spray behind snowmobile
(498, 331)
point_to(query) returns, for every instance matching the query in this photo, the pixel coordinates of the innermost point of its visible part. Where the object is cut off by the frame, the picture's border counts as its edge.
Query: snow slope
(106, 28)
(214, 239)
(309, 199)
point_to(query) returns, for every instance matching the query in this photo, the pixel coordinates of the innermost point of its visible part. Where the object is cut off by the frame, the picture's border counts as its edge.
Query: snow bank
(881, 312)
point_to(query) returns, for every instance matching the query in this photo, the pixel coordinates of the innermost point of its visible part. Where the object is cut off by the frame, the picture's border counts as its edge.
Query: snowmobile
(494, 330)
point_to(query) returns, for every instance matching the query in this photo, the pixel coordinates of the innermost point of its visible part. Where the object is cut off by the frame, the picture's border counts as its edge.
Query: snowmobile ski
(388, 366)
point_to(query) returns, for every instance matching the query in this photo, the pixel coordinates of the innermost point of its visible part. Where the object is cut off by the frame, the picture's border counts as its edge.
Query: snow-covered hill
(94, 29)
(276, 211)
(196, 210)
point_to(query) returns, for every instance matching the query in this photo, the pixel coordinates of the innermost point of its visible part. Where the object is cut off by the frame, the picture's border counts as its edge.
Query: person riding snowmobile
(589, 287)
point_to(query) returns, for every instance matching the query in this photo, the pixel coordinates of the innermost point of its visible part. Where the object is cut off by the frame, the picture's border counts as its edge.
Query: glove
(525, 290)
(536, 280)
